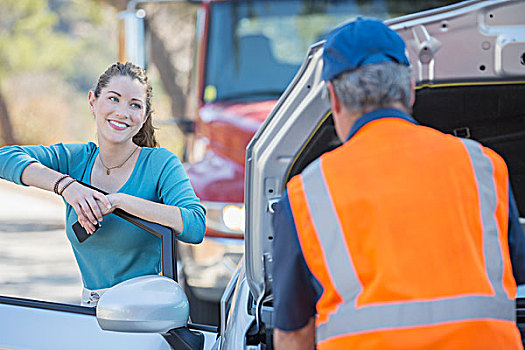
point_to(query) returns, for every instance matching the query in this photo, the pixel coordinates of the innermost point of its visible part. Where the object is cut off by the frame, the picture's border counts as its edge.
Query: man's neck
(395, 105)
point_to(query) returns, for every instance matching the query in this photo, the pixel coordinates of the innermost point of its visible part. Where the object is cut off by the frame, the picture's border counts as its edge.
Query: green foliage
(27, 38)
(69, 37)
(91, 26)
(51, 54)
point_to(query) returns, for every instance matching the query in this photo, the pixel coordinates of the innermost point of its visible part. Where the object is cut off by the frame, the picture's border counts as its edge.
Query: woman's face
(120, 110)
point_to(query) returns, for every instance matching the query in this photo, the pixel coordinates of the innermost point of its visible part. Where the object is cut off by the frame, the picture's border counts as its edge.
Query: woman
(143, 180)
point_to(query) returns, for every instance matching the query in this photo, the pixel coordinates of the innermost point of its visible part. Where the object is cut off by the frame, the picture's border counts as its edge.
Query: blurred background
(53, 51)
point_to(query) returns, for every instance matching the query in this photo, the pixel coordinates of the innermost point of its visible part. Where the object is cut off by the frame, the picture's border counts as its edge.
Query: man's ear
(334, 100)
(412, 91)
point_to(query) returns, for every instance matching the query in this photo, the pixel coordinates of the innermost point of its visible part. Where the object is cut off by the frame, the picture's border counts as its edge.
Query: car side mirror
(145, 304)
(149, 304)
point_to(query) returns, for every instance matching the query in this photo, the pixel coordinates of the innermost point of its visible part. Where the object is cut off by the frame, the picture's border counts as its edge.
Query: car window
(36, 260)
(274, 37)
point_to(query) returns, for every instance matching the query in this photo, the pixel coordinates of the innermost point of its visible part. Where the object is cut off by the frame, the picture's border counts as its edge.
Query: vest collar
(378, 114)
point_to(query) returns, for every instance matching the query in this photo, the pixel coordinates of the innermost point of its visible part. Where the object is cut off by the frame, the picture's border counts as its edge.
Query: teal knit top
(118, 250)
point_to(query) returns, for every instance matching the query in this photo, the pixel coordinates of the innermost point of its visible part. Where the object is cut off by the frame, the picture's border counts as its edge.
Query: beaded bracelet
(66, 186)
(55, 188)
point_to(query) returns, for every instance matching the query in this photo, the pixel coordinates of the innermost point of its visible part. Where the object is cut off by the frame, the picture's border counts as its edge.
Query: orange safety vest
(406, 229)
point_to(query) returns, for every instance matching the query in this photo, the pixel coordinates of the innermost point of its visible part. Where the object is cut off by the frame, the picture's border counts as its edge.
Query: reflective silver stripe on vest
(487, 201)
(329, 232)
(347, 319)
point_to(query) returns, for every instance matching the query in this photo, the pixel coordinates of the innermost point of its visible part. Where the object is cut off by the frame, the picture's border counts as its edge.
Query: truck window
(256, 47)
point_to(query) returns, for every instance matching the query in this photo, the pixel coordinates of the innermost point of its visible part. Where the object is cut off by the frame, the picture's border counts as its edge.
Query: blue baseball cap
(358, 43)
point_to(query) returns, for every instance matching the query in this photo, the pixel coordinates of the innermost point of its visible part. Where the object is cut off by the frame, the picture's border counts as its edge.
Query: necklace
(108, 169)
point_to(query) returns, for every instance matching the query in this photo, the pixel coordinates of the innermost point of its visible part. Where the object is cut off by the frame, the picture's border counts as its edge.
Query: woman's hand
(115, 200)
(167, 215)
(90, 205)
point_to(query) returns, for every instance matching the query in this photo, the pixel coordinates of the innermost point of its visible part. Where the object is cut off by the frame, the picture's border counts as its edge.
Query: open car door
(147, 312)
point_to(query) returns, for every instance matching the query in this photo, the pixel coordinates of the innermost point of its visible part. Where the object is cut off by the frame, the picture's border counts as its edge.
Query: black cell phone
(81, 232)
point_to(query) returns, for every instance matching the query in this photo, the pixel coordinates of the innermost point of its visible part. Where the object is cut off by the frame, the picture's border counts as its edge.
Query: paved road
(36, 260)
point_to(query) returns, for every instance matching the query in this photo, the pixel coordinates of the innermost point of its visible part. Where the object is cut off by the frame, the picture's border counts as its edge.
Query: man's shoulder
(476, 148)
(310, 170)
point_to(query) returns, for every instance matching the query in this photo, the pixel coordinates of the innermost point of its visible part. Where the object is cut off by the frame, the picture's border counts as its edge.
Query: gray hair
(374, 86)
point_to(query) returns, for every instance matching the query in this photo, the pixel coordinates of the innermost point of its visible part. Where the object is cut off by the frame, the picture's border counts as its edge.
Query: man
(403, 237)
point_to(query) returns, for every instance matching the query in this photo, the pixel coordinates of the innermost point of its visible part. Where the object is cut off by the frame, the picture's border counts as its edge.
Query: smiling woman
(140, 178)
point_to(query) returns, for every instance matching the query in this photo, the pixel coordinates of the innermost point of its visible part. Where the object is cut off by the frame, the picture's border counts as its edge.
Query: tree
(28, 42)
(170, 29)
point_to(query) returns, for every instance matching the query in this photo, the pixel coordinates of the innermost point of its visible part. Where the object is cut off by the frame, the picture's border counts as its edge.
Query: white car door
(38, 314)
(30, 324)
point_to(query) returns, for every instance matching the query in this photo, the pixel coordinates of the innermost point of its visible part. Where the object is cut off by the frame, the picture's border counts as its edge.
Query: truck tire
(202, 311)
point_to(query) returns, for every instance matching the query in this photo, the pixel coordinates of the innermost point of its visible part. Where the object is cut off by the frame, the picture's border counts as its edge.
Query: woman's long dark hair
(146, 135)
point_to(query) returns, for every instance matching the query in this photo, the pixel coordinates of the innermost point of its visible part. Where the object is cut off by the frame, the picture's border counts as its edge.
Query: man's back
(410, 255)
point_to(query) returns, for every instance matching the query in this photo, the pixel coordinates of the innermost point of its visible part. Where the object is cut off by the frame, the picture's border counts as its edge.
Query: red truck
(246, 53)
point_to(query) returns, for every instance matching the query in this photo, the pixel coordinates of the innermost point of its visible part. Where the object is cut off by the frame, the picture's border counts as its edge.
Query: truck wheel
(202, 311)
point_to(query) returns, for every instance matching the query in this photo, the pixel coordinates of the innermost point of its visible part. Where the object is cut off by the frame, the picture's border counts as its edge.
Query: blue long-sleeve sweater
(118, 250)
